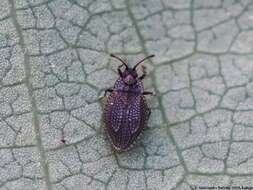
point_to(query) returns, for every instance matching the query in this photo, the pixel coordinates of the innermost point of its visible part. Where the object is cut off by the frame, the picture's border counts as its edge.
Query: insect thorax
(121, 86)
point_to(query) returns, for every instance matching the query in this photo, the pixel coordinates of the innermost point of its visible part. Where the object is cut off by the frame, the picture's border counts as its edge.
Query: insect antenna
(112, 55)
(142, 61)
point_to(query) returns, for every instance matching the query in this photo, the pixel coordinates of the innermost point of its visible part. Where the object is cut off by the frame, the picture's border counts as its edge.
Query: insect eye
(134, 74)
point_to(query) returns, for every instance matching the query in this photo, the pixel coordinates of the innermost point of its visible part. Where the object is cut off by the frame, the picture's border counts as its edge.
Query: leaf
(54, 64)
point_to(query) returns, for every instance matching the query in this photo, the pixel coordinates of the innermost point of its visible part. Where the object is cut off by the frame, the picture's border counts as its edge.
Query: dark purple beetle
(126, 112)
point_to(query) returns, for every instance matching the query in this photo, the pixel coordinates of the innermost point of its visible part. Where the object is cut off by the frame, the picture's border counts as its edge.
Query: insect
(126, 112)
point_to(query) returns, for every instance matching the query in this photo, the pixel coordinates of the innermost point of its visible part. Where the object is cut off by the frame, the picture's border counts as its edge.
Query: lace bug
(126, 112)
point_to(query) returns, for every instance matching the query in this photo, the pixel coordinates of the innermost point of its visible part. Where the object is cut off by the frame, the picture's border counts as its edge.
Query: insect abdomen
(125, 117)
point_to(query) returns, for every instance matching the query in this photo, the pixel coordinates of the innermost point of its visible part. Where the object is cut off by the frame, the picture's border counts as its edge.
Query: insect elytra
(126, 112)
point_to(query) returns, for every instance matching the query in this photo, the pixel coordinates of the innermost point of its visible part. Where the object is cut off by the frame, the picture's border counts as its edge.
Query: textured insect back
(126, 112)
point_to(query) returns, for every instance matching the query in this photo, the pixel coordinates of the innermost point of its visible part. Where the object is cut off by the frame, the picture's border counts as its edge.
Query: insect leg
(144, 72)
(149, 112)
(148, 93)
(119, 71)
(108, 90)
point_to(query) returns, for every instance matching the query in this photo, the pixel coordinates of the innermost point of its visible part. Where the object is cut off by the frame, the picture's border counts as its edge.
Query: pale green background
(54, 64)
